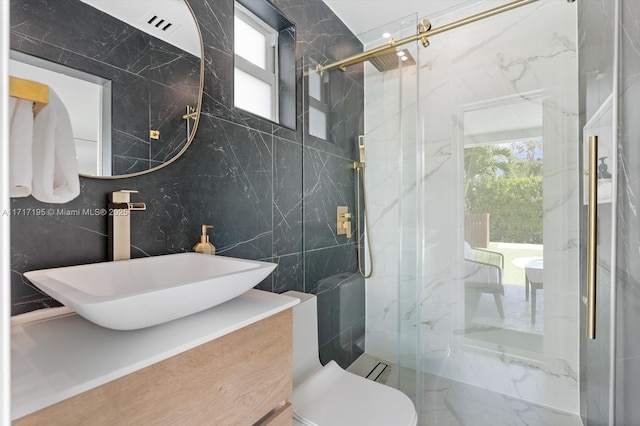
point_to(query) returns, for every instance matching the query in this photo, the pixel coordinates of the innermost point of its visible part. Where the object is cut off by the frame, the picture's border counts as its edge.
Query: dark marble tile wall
(152, 81)
(269, 192)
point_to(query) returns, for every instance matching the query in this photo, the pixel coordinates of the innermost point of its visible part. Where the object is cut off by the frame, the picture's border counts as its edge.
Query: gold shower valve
(343, 222)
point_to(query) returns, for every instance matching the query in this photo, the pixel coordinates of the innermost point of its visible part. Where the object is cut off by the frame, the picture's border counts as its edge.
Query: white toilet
(331, 396)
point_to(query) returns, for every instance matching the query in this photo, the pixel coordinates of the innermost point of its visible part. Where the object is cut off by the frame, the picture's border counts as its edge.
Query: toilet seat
(334, 397)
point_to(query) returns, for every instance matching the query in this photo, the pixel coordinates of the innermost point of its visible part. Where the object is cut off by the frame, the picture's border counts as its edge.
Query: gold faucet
(119, 223)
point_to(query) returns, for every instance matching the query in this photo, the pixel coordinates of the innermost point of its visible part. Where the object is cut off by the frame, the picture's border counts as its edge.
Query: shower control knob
(343, 222)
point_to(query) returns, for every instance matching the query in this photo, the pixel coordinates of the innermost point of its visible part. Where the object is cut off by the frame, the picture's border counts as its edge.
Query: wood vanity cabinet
(242, 378)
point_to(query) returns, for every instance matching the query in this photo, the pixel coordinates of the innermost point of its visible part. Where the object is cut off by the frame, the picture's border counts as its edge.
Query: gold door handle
(592, 242)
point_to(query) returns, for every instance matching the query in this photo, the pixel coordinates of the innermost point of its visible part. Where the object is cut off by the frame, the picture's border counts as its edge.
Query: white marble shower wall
(525, 55)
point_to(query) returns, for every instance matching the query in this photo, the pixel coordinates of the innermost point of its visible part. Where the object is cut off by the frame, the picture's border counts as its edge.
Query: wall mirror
(130, 74)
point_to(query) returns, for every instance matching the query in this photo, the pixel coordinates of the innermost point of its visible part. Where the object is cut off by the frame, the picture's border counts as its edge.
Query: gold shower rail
(424, 32)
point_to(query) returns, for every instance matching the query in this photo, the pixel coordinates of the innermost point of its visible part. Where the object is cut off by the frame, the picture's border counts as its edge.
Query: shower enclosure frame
(417, 207)
(422, 34)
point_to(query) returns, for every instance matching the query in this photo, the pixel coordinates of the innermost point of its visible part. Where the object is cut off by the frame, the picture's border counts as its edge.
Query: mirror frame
(195, 124)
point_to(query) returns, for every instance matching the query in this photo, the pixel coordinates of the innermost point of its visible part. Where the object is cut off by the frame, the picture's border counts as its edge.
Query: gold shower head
(392, 60)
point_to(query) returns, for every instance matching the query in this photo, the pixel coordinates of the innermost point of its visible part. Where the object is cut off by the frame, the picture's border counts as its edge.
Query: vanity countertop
(55, 358)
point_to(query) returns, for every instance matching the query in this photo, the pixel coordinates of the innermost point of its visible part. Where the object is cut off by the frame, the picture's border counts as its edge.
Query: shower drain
(377, 371)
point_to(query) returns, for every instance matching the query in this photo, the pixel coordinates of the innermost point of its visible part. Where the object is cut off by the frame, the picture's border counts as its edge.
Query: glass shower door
(473, 182)
(599, 131)
(392, 194)
(499, 214)
(598, 81)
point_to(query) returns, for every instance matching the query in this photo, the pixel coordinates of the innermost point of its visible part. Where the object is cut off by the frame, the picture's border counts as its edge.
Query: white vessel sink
(138, 293)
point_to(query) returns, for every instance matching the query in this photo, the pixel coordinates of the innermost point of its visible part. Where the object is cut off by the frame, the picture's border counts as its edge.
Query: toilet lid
(334, 397)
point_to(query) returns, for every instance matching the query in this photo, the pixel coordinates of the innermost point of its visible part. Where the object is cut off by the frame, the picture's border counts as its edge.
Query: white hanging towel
(20, 147)
(55, 166)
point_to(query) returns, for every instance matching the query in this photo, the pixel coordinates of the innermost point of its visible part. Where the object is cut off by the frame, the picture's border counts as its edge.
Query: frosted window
(255, 64)
(250, 43)
(317, 123)
(315, 85)
(252, 94)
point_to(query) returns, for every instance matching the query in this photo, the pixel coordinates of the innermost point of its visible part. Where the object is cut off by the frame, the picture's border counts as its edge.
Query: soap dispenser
(204, 246)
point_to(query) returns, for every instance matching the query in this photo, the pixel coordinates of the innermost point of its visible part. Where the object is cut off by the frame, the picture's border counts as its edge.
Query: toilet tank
(305, 336)
(341, 318)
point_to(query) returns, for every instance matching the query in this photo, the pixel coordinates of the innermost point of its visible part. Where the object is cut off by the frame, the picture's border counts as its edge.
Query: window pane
(315, 84)
(250, 43)
(317, 123)
(252, 94)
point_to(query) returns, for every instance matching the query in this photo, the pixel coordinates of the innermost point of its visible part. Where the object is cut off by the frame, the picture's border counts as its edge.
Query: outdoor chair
(483, 274)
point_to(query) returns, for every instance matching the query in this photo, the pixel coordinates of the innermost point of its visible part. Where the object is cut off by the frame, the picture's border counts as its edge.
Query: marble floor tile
(446, 402)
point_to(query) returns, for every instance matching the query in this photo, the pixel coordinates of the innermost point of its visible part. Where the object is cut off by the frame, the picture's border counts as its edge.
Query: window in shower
(503, 223)
(332, 101)
(318, 105)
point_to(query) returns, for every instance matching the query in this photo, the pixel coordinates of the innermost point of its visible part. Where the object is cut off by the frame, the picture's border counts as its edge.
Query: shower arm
(424, 32)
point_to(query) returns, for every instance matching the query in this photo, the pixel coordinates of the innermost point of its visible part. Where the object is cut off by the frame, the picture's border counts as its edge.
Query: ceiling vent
(157, 23)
